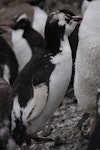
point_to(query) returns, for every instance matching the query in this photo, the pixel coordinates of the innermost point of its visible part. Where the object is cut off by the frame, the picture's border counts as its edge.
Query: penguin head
(71, 20)
(20, 22)
(60, 22)
(39, 3)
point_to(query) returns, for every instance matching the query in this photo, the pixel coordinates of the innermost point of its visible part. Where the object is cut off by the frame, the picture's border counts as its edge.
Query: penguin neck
(64, 45)
(39, 12)
(56, 46)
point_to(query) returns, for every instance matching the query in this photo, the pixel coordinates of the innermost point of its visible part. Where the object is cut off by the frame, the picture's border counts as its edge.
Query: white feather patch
(62, 21)
(23, 16)
(34, 107)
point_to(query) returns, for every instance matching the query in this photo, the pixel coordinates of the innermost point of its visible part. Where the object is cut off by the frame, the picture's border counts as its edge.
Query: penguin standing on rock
(41, 85)
(39, 15)
(24, 39)
(8, 61)
(87, 66)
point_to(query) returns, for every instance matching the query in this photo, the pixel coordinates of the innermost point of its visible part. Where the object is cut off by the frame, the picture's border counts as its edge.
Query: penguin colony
(36, 71)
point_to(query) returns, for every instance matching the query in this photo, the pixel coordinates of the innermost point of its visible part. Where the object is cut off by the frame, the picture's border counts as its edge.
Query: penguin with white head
(41, 85)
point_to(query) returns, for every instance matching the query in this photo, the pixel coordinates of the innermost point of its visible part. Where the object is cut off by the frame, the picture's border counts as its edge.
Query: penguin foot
(86, 125)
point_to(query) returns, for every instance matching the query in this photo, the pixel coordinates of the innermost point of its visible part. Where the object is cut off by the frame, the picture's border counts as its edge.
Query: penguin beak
(77, 18)
(8, 24)
(2, 31)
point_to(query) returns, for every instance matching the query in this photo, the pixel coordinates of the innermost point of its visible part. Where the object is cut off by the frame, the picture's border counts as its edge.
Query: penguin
(94, 140)
(42, 83)
(41, 11)
(87, 79)
(6, 140)
(24, 38)
(73, 39)
(8, 61)
(39, 15)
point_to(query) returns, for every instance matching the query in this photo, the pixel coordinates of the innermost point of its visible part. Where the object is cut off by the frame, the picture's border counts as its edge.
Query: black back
(37, 71)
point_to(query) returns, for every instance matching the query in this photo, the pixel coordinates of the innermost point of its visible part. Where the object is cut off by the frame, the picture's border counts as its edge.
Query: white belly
(59, 82)
(21, 48)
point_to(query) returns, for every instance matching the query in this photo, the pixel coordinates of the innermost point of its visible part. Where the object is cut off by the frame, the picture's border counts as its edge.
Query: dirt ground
(63, 124)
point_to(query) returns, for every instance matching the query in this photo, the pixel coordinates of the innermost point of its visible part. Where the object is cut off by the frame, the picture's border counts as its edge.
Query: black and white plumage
(24, 39)
(6, 141)
(42, 83)
(8, 62)
(87, 68)
(39, 21)
(94, 141)
(39, 15)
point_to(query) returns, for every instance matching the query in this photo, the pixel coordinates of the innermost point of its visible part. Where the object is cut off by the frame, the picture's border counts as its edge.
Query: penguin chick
(24, 39)
(41, 85)
(39, 15)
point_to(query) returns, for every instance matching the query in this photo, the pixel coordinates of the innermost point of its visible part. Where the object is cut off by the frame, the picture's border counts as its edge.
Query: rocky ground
(62, 126)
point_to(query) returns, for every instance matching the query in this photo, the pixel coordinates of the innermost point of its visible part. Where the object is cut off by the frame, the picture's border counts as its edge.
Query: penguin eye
(67, 19)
